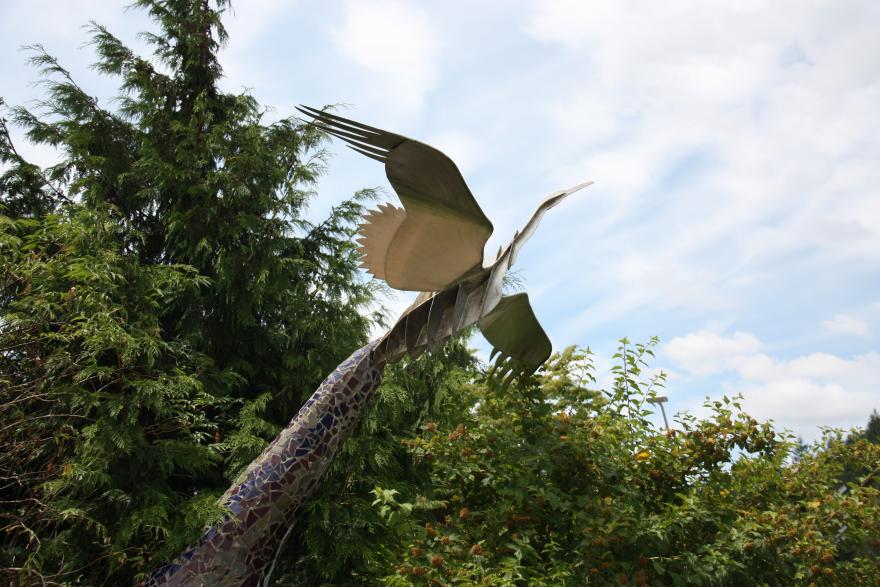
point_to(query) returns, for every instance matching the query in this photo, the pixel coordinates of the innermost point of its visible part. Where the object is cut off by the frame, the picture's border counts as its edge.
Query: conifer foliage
(165, 306)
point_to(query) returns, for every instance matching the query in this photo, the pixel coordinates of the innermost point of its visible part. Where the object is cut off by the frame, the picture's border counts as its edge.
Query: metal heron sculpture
(433, 245)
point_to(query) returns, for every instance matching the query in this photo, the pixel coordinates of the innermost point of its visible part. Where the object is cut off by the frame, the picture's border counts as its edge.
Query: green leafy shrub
(552, 483)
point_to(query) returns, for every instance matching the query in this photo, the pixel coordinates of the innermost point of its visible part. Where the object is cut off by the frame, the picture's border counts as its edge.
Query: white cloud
(846, 324)
(463, 148)
(53, 23)
(813, 390)
(658, 279)
(724, 139)
(247, 24)
(802, 405)
(397, 45)
(801, 393)
(706, 352)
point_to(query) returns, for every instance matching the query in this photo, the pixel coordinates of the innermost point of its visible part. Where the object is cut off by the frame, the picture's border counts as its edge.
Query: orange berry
(416, 551)
(464, 513)
(419, 571)
(437, 561)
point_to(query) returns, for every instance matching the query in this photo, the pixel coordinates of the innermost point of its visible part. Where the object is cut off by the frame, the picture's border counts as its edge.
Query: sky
(735, 149)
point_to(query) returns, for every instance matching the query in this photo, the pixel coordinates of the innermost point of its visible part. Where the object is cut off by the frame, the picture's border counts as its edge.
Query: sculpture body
(264, 500)
(433, 245)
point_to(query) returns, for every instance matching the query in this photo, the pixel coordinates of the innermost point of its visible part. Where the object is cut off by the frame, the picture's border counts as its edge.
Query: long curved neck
(264, 501)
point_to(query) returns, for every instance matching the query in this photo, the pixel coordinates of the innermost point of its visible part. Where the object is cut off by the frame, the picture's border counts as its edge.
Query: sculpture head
(507, 256)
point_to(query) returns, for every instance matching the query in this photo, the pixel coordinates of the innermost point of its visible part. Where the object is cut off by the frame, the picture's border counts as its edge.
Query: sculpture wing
(520, 342)
(443, 231)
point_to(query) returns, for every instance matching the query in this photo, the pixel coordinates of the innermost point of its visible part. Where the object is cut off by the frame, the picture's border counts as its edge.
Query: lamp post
(660, 400)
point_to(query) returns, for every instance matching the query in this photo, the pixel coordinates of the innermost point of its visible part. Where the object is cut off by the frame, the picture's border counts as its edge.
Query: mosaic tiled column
(264, 501)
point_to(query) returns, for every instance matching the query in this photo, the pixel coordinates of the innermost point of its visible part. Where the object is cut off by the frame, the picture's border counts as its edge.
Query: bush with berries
(551, 482)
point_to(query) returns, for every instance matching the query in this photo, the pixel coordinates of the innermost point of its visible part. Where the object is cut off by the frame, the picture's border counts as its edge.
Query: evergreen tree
(165, 307)
(871, 432)
(859, 472)
(103, 419)
(872, 429)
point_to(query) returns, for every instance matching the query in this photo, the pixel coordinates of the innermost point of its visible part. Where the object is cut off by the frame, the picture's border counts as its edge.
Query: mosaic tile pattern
(264, 500)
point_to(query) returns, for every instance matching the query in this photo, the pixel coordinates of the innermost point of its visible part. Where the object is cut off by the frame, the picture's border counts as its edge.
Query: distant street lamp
(659, 400)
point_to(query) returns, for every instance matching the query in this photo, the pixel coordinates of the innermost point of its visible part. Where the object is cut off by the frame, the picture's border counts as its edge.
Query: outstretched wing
(520, 343)
(444, 231)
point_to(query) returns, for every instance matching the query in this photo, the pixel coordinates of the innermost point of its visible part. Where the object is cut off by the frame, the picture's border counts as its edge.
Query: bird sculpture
(433, 245)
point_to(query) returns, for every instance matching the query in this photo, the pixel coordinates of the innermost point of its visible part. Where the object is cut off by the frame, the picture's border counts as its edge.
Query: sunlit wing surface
(439, 235)
(376, 232)
(519, 341)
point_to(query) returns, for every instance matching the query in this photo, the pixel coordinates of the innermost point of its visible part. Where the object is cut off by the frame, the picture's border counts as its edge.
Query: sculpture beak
(559, 196)
(579, 186)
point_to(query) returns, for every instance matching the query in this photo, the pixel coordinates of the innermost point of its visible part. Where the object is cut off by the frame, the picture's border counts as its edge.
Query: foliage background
(166, 308)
